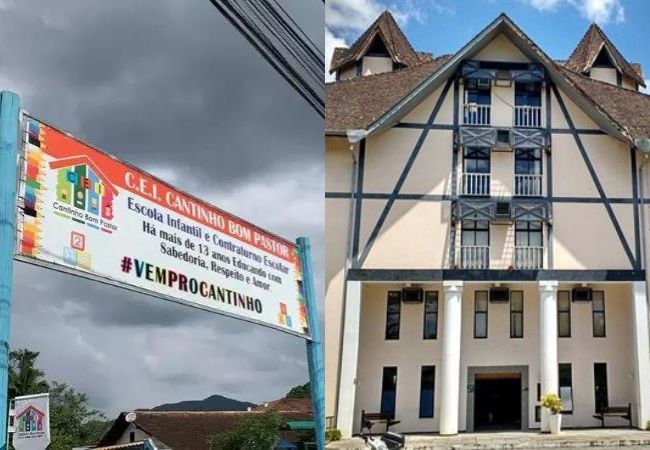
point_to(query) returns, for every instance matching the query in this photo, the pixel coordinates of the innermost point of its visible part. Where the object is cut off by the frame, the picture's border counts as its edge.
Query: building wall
(416, 234)
(376, 64)
(348, 73)
(605, 74)
(411, 352)
(139, 436)
(338, 166)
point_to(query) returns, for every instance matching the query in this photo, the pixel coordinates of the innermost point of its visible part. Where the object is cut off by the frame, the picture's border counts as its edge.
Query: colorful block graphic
(31, 419)
(78, 241)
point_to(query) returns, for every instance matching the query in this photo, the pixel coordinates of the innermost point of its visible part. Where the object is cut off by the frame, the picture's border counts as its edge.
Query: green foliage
(72, 422)
(255, 432)
(333, 434)
(647, 425)
(303, 391)
(24, 377)
(553, 403)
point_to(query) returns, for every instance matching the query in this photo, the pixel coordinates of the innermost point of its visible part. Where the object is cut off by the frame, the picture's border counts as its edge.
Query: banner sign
(96, 216)
(32, 422)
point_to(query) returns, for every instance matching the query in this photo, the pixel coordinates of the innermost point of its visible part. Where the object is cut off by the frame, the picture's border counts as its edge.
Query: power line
(267, 26)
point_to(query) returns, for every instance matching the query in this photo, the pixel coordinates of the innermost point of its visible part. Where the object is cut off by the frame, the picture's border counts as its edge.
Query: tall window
(598, 313)
(566, 388)
(528, 244)
(475, 243)
(564, 314)
(476, 171)
(476, 160)
(393, 313)
(431, 315)
(516, 314)
(480, 314)
(389, 391)
(600, 386)
(528, 93)
(478, 91)
(427, 386)
(528, 171)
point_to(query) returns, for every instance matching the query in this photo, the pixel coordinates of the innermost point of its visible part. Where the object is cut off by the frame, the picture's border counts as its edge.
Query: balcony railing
(528, 116)
(529, 257)
(528, 185)
(475, 184)
(475, 114)
(474, 256)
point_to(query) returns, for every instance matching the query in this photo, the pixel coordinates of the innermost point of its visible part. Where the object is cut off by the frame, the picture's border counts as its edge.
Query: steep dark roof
(584, 55)
(358, 102)
(188, 430)
(396, 43)
(629, 109)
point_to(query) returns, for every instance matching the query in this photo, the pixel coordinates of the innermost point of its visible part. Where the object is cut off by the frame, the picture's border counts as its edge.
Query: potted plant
(553, 403)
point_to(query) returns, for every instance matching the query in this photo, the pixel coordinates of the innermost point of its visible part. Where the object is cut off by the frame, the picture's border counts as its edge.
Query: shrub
(333, 435)
(647, 425)
(553, 402)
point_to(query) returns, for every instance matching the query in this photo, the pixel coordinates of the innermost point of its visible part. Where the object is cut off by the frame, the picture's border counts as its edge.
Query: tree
(24, 377)
(303, 391)
(258, 431)
(72, 422)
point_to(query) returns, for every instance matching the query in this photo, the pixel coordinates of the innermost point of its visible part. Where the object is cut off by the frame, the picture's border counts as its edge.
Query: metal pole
(315, 346)
(9, 119)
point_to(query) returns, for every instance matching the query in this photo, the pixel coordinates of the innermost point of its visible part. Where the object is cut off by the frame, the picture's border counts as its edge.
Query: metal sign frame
(11, 171)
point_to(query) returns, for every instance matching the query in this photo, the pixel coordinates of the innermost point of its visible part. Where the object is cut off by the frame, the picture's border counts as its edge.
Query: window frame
(594, 312)
(567, 312)
(394, 296)
(514, 313)
(431, 314)
(383, 390)
(570, 367)
(485, 313)
(606, 390)
(521, 228)
(433, 393)
(472, 153)
(530, 157)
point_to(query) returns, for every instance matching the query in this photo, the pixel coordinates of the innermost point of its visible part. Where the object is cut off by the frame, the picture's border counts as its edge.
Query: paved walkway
(575, 439)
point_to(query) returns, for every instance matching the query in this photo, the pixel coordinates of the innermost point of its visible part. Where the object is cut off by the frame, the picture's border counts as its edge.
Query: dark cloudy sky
(169, 86)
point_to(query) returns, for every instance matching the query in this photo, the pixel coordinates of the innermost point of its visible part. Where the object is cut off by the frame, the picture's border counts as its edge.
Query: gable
(501, 48)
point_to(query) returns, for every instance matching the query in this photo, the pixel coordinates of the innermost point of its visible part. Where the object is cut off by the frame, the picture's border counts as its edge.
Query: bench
(624, 412)
(368, 420)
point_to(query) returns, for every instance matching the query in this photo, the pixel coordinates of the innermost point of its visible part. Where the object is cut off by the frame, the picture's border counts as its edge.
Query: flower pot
(555, 423)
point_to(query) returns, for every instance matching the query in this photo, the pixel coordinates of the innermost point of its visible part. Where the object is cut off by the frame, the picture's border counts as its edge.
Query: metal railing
(475, 184)
(474, 256)
(475, 114)
(528, 116)
(529, 257)
(528, 185)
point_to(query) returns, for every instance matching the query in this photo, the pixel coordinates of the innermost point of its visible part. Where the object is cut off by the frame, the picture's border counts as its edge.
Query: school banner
(31, 422)
(87, 212)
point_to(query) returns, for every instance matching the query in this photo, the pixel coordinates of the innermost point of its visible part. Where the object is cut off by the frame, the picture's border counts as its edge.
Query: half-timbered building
(485, 232)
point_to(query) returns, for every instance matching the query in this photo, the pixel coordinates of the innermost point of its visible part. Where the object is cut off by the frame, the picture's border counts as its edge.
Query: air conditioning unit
(412, 295)
(502, 212)
(503, 141)
(582, 294)
(499, 294)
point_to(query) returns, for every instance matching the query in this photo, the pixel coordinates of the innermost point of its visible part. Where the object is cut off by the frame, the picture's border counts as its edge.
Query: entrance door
(497, 401)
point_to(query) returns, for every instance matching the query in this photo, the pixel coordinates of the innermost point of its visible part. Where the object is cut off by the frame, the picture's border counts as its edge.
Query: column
(349, 358)
(548, 365)
(450, 377)
(641, 353)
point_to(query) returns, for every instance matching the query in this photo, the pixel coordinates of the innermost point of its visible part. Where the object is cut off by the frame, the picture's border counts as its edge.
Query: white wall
(411, 352)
